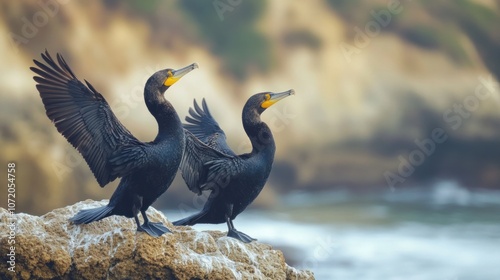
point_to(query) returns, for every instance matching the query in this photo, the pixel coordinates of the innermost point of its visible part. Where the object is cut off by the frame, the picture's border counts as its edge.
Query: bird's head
(261, 101)
(165, 78)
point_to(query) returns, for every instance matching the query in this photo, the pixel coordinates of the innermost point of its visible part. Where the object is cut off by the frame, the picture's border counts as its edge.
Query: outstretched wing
(205, 127)
(83, 116)
(203, 167)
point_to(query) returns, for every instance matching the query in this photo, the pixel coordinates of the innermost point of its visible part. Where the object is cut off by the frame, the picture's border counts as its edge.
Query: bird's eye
(268, 96)
(169, 73)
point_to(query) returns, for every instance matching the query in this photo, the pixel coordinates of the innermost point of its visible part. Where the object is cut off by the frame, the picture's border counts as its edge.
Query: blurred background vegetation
(354, 115)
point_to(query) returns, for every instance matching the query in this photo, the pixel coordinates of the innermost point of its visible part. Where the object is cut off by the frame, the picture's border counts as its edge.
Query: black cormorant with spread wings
(82, 115)
(209, 164)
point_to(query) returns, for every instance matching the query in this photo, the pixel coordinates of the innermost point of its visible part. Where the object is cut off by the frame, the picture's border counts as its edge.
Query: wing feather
(82, 115)
(203, 167)
(203, 125)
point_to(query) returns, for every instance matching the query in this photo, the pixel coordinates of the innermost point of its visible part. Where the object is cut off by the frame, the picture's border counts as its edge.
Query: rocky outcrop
(49, 247)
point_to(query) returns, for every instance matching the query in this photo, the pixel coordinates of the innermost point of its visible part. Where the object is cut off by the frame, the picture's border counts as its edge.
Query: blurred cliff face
(376, 81)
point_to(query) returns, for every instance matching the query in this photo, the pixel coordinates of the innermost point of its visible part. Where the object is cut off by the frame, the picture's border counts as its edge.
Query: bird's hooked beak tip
(178, 74)
(280, 95)
(183, 71)
(272, 98)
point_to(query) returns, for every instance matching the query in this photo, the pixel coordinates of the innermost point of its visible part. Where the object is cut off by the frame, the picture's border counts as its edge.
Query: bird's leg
(230, 225)
(232, 232)
(243, 234)
(157, 228)
(137, 222)
(135, 211)
(137, 205)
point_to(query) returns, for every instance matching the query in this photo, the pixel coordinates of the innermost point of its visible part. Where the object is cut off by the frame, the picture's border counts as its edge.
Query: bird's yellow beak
(272, 98)
(176, 75)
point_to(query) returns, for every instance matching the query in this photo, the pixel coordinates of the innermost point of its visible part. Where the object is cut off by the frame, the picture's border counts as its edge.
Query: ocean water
(439, 233)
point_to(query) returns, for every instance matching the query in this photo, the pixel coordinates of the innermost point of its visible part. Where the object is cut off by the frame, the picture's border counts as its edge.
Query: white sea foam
(445, 233)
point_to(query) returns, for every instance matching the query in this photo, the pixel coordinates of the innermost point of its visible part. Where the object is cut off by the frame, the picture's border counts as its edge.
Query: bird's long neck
(259, 133)
(169, 124)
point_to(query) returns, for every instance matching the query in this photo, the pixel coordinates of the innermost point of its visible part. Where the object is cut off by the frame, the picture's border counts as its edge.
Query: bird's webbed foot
(240, 236)
(153, 229)
(147, 230)
(231, 231)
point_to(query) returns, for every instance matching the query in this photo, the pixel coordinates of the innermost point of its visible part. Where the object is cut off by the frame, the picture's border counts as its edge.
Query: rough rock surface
(50, 247)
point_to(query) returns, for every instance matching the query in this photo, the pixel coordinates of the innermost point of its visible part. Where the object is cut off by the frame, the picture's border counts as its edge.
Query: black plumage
(209, 164)
(82, 115)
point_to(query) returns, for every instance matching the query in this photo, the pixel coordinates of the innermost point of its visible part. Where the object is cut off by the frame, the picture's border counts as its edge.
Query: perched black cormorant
(209, 164)
(84, 118)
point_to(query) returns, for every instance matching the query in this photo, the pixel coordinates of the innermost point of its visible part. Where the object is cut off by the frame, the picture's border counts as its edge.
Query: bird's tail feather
(91, 215)
(191, 220)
